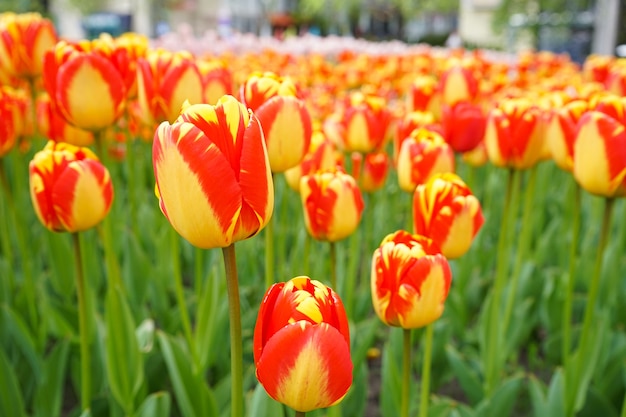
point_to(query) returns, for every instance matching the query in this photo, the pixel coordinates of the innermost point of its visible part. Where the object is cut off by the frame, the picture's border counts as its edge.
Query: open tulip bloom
(302, 345)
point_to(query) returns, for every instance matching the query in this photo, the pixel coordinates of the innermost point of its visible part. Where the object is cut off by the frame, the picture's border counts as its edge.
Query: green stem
(523, 246)
(85, 359)
(305, 256)
(623, 413)
(333, 266)
(113, 268)
(198, 271)
(7, 246)
(236, 353)
(426, 365)
(300, 414)
(592, 299)
(492, 362)
(180, 297)
(406, 372)
(571, 279)
(269, 253)
(132, 187)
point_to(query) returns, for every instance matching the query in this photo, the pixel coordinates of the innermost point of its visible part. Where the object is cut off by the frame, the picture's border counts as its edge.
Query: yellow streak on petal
(308, 306)
(88, 207)
(429, 306)
(234, 111)
(285, 140)
(461, 232)
(346, 216)
(188, 209)
(188, 89)
(305, 385)
(591, 168)
(95, 109)
(357, 134)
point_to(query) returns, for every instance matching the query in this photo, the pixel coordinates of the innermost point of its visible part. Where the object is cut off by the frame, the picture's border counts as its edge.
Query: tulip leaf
(155, 405)
(193, 396)
(62, 278)
(503, 399)
(211, 312)
(18, 332)
(11, 401)
(468, 377)
(597, 404)
(538, 397)
(145, 335)
(391, 379)
(49, 392)
(262, 405)
(555, 405)
(124, 362)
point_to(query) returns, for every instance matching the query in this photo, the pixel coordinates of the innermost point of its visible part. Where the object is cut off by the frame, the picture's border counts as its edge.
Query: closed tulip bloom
(332, 204)
(8, 130)
(125, 51)
(445, 210)
(260, 87)
(302, 345)
(423, 95)
(165, 80)
(16, 114)
(24, 38)
(600, 149)
(410, 280)
(217, 80)
(70, 189)
(370, 170)
(561, 132)
(53, 126)
(212, 174)
(456, 84)
(515, 136)
(322, 155)
(411, 121)
(85, 86)
(464, 125)
(424, 154)
(365, 122)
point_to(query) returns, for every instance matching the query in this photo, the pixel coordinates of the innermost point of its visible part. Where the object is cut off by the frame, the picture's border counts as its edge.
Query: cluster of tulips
(223, 128)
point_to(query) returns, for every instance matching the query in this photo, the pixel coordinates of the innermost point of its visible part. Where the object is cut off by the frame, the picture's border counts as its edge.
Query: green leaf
(11, 402)
(210, 312)
(555, 395)
(16, 330)
(262, 405)
(467, 376)
(155, 405)
(503, 399)
(49, 392)
(124, 361)
(538, 398)
(193, 396)
(145, 335)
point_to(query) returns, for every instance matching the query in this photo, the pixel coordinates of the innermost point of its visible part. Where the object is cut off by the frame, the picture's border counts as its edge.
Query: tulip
(600, 149)
(425, 153)
(365, 122)
(53, 126)
(70, 189)
(514, 136)
(457, 84)
(8, 133)
(332, 204)
(445, 210)
(464, 125)
(15, 117)
(212, 174)
(561, 132)
(24, 38)
(302, 345)
(126, 50)
(285, 119)
(423, 95)
(84, 84)
(322, 155)
(410, 280)
(370, 170)
(411, 121)
(217, 79)
(165, 80)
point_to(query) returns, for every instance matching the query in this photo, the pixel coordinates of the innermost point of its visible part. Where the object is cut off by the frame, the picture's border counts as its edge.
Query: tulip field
(206, 227)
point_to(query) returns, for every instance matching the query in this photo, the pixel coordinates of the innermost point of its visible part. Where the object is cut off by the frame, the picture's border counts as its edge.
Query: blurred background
(578, 27)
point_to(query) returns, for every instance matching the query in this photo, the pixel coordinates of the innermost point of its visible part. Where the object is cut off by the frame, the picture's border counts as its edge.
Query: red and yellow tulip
(24, 38)
(458, 83)
(561, 132)
(165, 80)
(370, 170)
(84, 85)
(212, 174)
(53, 126)
(70, 189)
(464, 125)
(600, 149)
(332, 204)
(410, 280)
(217, 79)
(445, 210)
(422, 155)
(302, 345)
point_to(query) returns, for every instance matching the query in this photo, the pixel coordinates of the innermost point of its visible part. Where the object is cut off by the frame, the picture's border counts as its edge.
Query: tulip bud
(302, 345)
(70, 189)
(561, 132)
(410, 280)
(370, 170)
(464, 125)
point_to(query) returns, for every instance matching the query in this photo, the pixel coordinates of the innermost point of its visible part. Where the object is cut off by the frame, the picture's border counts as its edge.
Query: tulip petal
(179, 84)
(306, 366)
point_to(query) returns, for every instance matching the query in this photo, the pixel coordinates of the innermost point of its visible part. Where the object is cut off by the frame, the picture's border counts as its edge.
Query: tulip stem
(406, 372)
(426, 365)
(236, 353)
(493, 353)
(590, 307)
(300, 414)
(571, 280)
(180, 297)
(523, 246)
(333, 266)
(85, 359)
(269, 253)
(7, 246)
